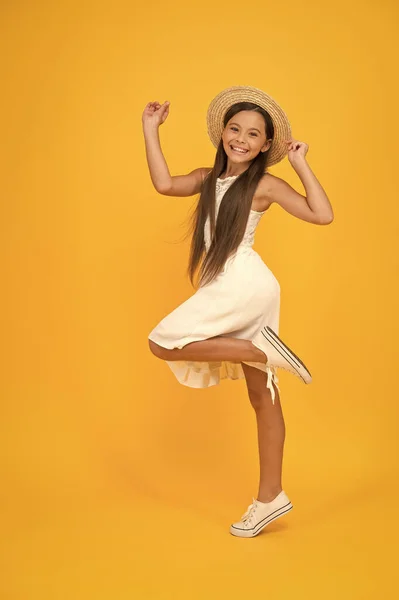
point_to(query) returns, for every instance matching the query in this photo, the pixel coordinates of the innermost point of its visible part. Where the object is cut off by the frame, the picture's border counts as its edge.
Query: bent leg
(271, 432)
(212, 349)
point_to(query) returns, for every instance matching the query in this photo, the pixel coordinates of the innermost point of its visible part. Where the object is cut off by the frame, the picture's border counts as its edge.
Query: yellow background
(118, 482)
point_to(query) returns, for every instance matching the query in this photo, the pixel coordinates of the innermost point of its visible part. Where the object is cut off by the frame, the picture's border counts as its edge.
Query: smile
(238, 150)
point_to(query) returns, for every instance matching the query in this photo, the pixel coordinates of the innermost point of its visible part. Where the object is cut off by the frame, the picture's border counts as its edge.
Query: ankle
(269, 495)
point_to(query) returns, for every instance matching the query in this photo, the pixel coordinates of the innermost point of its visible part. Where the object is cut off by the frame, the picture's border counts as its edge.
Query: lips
(240, 151)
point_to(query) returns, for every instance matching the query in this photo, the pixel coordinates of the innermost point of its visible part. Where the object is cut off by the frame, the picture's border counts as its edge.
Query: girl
(228, 328)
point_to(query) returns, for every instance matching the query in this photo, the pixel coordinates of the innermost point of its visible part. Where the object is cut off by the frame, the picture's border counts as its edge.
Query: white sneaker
(279, 355)
(260, 514)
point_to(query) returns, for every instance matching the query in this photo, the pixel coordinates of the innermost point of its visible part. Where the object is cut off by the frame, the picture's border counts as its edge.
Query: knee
(262, 398)
(258, 398)
(157, 350)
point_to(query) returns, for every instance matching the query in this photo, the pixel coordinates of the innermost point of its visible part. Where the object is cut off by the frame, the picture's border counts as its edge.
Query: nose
(240, 139)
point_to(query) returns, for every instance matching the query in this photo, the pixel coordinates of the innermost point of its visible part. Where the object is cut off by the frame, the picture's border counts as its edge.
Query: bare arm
(314, 208)
(180, 185)
(158, 168)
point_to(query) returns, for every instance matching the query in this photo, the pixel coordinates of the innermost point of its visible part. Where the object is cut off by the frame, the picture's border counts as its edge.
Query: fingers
(292, 144)
(156, 105)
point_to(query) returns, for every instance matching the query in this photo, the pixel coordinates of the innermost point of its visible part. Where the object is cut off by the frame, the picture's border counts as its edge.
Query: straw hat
(243, 93)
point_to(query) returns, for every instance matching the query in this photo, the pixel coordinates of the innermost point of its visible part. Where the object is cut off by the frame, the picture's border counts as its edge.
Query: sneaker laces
(272, 377)
(247, 516)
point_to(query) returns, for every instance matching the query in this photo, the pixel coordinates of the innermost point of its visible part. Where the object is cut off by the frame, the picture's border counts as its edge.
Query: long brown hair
(229, 230)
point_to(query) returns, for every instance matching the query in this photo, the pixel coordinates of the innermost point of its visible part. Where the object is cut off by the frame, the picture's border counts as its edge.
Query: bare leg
(271, 433)
(212, 349)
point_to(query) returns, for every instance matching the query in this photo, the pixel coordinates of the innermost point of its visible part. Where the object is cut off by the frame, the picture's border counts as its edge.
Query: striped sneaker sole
(287, 354)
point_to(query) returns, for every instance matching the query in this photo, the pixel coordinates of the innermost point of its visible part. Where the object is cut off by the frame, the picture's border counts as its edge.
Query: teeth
(239, 150)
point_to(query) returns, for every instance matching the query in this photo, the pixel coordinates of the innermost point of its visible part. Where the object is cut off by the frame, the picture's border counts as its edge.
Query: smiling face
(244, 137)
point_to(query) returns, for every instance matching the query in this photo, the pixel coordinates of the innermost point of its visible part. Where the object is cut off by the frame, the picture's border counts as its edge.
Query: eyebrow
(249, 128)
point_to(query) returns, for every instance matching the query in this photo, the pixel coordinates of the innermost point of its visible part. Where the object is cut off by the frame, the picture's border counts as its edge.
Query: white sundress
(244, 297)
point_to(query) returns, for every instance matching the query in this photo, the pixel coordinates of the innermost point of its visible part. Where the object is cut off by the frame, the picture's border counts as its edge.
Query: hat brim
(240, 93)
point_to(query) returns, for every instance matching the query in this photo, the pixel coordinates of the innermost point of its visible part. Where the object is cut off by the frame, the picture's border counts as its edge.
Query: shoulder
(266, 183)
(272, 188)
(204, 171)
(263, 195)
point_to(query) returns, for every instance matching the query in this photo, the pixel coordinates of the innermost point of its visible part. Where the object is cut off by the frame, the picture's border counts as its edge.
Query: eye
(235, 129)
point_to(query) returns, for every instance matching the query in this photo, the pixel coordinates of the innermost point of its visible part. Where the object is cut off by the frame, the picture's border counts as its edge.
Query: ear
(266, 146)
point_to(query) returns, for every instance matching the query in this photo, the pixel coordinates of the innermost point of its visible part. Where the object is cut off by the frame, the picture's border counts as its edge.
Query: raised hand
(296, 150)
(155, 113)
